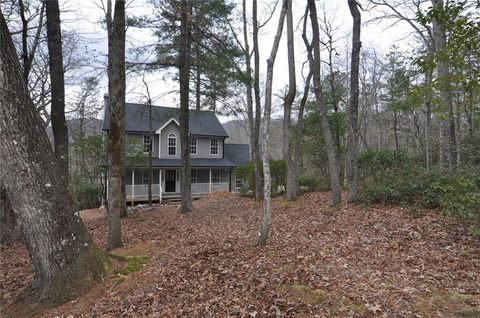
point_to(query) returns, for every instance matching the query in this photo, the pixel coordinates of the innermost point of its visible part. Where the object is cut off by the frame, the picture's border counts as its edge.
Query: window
(238, 183)
(145, 177)
(214, 146)
(147, 143)
(193, 176)
(172, 145)
(192, 145)
(215, 177)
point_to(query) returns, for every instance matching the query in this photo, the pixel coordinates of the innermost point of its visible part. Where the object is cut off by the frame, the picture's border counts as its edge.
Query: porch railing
(197, 188)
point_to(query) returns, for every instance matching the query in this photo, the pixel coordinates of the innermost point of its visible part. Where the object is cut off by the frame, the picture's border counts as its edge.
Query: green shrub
(87, 196)
(277, 172)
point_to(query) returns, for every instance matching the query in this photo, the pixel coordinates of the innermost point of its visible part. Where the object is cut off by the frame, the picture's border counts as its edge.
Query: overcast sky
(84, 17)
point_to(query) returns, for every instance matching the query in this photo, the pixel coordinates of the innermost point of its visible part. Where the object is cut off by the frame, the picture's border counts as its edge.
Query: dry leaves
(319, 262)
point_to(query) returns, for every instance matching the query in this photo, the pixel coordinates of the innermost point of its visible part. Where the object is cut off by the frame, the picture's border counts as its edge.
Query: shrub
(87, 196)
(277, 173)
(315, 183)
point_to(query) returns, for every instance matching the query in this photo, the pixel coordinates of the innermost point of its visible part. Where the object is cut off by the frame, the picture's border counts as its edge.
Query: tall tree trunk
(296, 146)
(258, 105)
(63, 256)
(352, 139)
(314, 62)
(428, 119)
(116, 134)
(57, 112)
(440, 38)
(267, 213)
(249, 80)
(184, 68)
(287, 111)
(198, 83)
(395, 130)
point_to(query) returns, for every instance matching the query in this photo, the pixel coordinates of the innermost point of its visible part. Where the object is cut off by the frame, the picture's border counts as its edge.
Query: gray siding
(203, 144)
(171, 128)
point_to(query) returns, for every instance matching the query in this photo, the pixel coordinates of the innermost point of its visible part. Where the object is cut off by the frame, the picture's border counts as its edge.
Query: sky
(84, 16)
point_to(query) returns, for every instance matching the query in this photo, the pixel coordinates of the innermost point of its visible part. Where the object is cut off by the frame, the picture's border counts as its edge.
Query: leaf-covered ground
(319, 262)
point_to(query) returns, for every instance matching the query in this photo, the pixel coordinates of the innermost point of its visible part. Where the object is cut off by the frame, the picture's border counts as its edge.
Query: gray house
(212, 159)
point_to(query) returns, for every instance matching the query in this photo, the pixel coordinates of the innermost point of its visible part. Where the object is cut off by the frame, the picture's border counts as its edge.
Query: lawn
(320, 261)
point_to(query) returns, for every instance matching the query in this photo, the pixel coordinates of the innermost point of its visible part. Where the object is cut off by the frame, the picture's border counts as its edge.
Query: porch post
(160, 185)
(209, 180)
(133, 182)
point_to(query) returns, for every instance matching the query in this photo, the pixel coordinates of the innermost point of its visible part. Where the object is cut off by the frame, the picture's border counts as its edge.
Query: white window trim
(151, 144)
(196, 145)
(194, 172)
(236, 180)
(217, 146)
(168, 144)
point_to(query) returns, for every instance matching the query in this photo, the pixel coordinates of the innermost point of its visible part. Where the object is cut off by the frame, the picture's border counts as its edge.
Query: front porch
(166, 183)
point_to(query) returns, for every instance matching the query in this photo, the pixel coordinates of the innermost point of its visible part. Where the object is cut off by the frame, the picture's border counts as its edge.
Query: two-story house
(211, 158)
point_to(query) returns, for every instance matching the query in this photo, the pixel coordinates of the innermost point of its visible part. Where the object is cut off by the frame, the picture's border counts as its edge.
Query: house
(211, 158)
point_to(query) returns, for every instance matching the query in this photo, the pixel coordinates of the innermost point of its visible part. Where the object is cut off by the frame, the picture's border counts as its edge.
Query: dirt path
(319, 262)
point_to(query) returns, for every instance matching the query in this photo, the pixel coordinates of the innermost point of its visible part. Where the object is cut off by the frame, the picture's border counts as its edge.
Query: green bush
(87, 196)
(406, 183)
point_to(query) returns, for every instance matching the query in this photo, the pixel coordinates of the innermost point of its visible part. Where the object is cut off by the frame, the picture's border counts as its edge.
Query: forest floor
(320, 261)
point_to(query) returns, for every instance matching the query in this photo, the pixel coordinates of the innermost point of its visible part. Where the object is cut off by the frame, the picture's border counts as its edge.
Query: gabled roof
(201, 122)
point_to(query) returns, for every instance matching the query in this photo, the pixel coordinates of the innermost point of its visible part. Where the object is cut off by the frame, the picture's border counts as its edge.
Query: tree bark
(314, 62)
(267, 213)
(57, 83)
(116, 134)
(352, 139)
(184, 68)
(248, 84)
(258, 106)
(287, 111)
(63, 256)
(440, 39)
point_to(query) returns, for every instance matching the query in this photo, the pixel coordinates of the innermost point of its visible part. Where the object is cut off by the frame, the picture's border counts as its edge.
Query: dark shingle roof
(203, 123)
(239, 154)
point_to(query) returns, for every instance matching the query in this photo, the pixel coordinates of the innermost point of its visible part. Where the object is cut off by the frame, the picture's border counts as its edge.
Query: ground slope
(319, 262)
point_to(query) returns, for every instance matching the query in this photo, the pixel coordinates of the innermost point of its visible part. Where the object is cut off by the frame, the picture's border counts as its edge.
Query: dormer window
(147, 143)
(172, 145)
(214, 146)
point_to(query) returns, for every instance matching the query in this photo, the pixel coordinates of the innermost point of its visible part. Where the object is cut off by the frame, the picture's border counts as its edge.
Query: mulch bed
(319, 261)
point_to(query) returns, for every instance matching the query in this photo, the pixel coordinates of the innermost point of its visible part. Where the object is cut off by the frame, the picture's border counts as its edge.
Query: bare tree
(258, 104)
(63, 255)
(352, 139)
(116, 133)
(333, 167)
(292, 186)
(184, 69)
(57, 111)
(267, 213)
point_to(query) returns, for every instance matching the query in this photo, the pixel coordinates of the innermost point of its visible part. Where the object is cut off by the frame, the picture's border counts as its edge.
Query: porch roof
(194, 163)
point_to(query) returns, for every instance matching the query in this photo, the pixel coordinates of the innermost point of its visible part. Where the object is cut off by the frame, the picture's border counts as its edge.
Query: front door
(170, 180)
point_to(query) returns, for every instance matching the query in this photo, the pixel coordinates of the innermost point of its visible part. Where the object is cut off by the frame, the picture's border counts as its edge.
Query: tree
(267, 213)
(184, 70)
(63, 255)
(57, 112)
(258, 104)
(440, 40)
(292, 186)
(314, 62)
(352, 141)
(116, 133)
